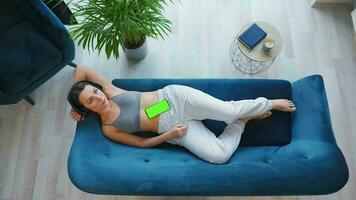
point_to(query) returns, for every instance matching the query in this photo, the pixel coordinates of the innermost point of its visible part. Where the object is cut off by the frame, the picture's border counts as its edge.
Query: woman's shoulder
(108, 128)
(111, 91)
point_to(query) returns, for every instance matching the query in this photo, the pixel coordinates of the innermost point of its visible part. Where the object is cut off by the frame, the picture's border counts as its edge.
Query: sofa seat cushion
(98, 165)
(38, 55)
(275, 130)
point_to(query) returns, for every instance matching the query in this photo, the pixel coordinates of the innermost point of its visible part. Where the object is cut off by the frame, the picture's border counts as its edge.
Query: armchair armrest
(2, 97)
(311, 120)
(48, 24)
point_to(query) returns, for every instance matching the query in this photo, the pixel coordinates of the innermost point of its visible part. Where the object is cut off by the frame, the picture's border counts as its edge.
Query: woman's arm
(86, 73)
(154, 141)
(137, 141)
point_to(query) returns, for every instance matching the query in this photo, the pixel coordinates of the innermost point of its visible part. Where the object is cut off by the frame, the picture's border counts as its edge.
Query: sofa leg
(73, 64)
(29, 100)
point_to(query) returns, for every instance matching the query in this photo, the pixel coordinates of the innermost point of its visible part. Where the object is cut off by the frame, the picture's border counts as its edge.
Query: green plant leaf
(111, 23)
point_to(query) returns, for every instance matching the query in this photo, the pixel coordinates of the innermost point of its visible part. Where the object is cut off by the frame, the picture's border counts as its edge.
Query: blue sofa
(286, 154)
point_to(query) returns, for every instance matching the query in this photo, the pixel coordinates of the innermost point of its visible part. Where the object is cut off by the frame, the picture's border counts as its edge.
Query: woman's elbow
(81, 68)
(79, 74)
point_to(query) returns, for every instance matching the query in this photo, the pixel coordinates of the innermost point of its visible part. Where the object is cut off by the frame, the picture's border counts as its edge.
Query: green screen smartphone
(157, 108)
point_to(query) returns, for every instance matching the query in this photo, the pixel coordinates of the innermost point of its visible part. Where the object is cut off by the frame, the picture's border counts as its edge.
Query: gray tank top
(129, 117)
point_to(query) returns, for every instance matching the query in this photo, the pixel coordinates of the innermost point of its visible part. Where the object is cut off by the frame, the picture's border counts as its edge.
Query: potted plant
(110, 24)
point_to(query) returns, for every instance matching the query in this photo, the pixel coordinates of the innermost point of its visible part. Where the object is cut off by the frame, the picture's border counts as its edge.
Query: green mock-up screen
(157, 108)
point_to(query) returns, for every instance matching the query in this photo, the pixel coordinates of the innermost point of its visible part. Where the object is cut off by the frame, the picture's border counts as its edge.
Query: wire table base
(244, 64)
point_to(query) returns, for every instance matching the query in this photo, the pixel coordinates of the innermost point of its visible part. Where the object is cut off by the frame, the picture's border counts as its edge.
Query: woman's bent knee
(219, 158)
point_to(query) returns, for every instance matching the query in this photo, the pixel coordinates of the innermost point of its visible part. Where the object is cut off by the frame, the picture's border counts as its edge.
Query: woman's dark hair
(73, 96)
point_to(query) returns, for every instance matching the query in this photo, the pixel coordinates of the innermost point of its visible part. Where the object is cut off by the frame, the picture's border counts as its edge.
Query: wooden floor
(35, 140)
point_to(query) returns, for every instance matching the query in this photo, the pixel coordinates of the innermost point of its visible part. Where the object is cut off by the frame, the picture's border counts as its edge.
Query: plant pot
(136, 53)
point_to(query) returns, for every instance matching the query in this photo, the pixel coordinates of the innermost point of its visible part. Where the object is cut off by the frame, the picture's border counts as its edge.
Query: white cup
(268, 44)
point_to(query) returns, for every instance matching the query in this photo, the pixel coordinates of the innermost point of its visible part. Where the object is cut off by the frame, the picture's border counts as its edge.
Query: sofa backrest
(273, 131)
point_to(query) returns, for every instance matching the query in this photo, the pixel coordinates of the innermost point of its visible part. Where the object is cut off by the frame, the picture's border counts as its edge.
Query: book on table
(252, 36)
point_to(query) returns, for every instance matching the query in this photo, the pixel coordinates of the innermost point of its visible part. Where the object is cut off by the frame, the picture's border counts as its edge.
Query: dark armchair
(34, 46)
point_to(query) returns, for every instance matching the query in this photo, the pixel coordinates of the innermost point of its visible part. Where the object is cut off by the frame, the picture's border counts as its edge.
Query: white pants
(189, 106)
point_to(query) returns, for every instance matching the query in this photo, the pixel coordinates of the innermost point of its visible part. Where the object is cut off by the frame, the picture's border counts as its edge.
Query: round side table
(256, 60)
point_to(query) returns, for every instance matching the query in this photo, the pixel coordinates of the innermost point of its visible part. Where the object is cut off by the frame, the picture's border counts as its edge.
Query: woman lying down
(122, 113)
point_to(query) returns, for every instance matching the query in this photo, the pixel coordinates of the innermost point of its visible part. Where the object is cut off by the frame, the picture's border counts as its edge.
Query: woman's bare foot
(260, 116)
(283, 105)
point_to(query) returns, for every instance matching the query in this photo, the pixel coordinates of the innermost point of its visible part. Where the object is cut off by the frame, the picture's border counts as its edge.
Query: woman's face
(93, 98)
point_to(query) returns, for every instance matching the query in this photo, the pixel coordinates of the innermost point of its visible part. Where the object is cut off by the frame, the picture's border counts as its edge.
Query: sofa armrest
(311, 120)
